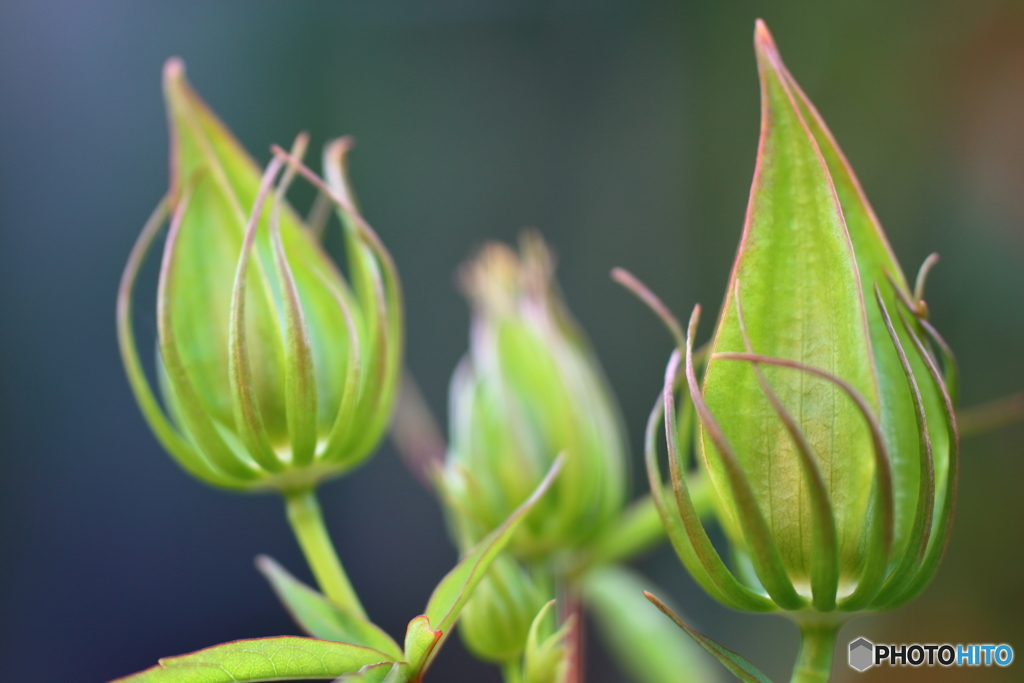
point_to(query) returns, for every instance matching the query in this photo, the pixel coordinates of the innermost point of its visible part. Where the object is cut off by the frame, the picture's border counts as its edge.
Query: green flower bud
(274, 372)
(496, 621)
(825, 423)
(529, 388)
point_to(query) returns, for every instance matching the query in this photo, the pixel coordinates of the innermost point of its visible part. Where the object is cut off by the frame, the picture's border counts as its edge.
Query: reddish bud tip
(174, 70)
(763, 37)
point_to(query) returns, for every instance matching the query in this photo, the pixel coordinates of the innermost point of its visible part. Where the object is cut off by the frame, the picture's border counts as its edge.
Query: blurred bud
(496, 621)
(274, 371)
(826, 426)
(548, 649)
(529, 388)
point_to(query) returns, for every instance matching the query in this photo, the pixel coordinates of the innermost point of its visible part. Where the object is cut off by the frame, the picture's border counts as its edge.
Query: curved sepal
(683, 525)
(545, 659)
(756, 532)
(376, 295)
(737, 665)
(177, 444)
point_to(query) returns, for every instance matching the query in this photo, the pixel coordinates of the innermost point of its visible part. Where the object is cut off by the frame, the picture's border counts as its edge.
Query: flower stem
(571, 604)
(817, 645)
(308, 524)
(637, 528)
(512, 671)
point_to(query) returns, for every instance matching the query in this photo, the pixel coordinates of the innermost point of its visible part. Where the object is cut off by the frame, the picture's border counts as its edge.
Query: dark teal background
(624, 131)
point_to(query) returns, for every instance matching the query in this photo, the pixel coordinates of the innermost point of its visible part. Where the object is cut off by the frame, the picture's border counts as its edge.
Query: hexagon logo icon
(862, 654)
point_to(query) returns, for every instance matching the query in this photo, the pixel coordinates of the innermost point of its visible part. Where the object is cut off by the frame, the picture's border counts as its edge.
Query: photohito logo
(864, 654)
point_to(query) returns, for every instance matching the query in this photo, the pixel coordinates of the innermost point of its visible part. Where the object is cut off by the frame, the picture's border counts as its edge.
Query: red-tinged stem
(576, 641)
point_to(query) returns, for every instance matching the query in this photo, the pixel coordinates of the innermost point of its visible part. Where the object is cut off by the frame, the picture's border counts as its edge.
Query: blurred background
(624, 131)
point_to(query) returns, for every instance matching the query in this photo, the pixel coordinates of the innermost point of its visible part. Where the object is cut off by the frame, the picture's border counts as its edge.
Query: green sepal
(376, 285)
(256, 353)
(375, 294)
(528, 388)
(177, 444)
(544, 659)
(249, 417)
(644, 644)
(824, 551)
(261, 659)
(321, 618)
(877, 264)
(920, 532)
(225, 183)
(943, 521)
(803, 301)
(737, 665)
(761, 545)
(683, 526)
(300, 375)
(184, 396)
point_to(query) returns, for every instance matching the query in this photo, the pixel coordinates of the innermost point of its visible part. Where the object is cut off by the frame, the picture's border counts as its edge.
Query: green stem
(638, 528)
(817, 645)
(308, 524)
(512, 671)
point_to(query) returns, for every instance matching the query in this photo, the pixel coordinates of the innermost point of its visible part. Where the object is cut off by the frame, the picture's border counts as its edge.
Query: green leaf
(645, 645)
(261, 659)
(321, 618)
(802, 302)
(740, 667)
(452, 593)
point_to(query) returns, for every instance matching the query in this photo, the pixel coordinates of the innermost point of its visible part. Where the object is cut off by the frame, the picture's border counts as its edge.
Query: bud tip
(174, 70)
(764, 44)
(341, 146)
